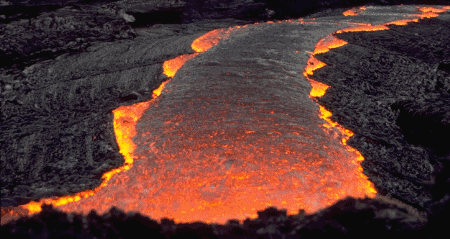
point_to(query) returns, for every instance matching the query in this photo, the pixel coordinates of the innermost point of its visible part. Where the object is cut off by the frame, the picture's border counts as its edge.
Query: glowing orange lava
(354, 11)
(430, 12)
(171, 66)
(427, 12)
(313, 64)
(366, 28)
(319, 89)
(402, 22)
(210, 39)
(327, 43)
(350, 12)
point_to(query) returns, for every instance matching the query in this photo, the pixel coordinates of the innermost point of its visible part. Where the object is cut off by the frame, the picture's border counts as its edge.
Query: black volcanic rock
(349, 218)
(61, 132)
(426, 122)
(220, 9)
(298, 8)
(53, 31)
(411, 94)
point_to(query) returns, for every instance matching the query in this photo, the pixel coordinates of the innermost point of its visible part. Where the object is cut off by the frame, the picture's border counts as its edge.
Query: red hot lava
(354, 11)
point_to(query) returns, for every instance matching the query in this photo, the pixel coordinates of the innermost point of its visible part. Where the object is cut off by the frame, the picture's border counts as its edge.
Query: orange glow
(366, 28)
(125, 118)
(430, 12)
(201, 44)
(426, 15)
(433, 9)
(354, 11)
(318, 88)
(171, 67)
(312, 65)
(402, 22)
(350, 12)
(325, 114)
(327, 43)
(210, 39)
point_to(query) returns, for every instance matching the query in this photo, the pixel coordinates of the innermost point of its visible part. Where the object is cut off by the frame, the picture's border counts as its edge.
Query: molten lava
(366, 28)
(430, 12)
(209, 153)
(402, 22)
(354, 11)
(210, 39)
(171, 67)
(327, 43)
(204, 163)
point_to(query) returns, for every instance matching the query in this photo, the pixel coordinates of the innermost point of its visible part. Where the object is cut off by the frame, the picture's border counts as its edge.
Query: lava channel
(218, 146)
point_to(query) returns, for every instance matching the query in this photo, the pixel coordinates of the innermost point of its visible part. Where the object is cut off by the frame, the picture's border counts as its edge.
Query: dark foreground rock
(349, 218)
(67, 64)
(377, 77)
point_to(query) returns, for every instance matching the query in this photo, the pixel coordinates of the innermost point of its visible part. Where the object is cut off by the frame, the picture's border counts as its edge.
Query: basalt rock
(426, 122)
(40, 32)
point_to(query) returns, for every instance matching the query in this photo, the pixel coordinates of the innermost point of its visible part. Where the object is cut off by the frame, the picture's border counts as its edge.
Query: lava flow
(354, 11)
(221, 145)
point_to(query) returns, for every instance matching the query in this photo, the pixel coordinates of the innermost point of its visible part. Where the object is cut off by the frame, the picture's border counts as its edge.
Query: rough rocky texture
(41, 35)
(376, 77)
(69, 63)
(349, 218)
(45, 29)
(376, 95)
(67, 103)
(57, 93)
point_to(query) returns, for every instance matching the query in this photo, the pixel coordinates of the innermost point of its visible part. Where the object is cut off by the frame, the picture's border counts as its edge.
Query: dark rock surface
(349, 218)
(405, 100)
(404, 80)
(47, 31)
(66, 64)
